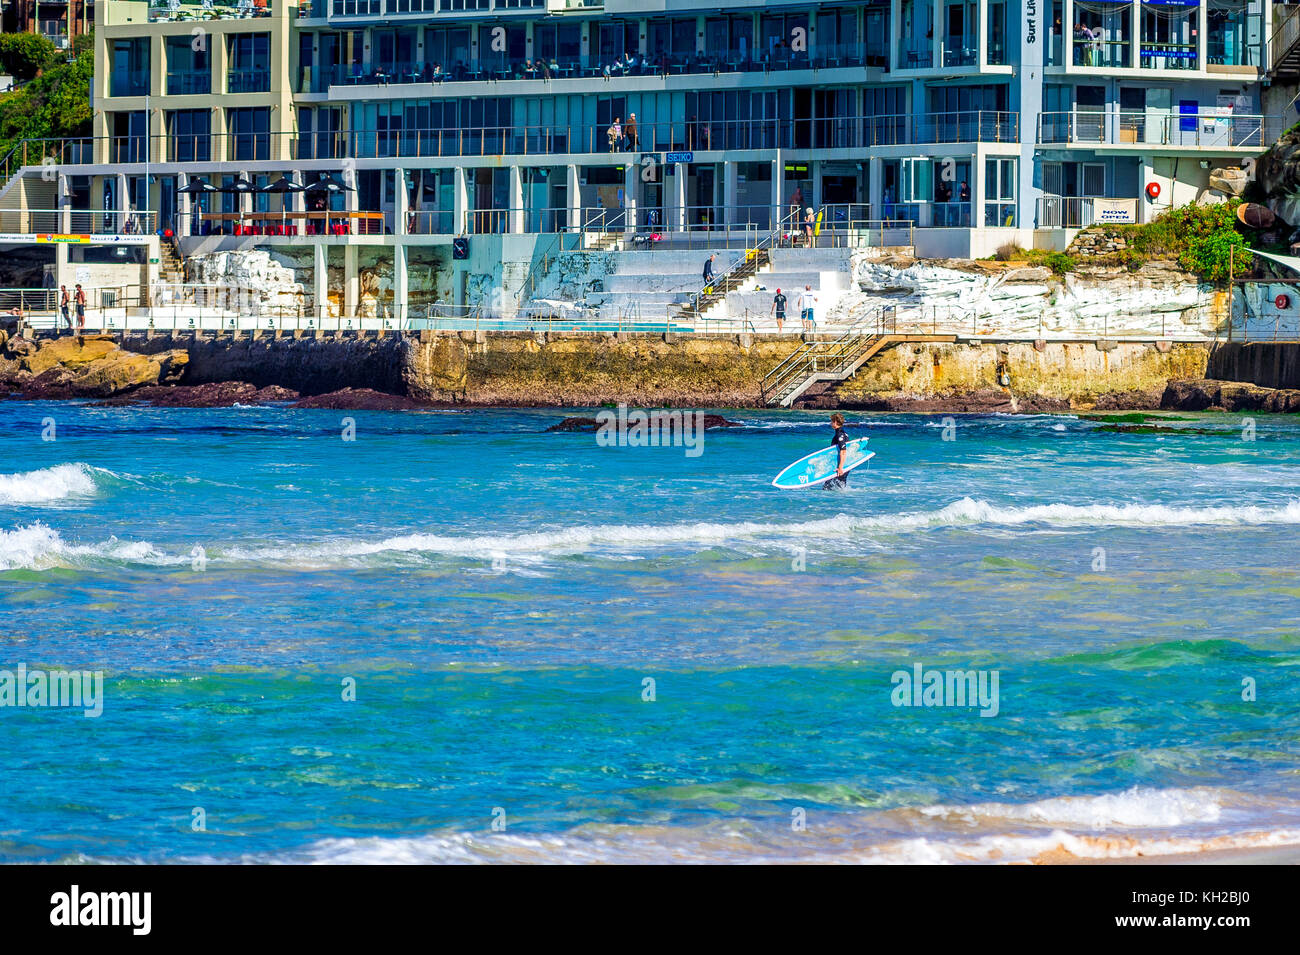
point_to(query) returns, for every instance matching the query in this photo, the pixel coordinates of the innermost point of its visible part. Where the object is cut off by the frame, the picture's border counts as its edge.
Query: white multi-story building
(981, 122)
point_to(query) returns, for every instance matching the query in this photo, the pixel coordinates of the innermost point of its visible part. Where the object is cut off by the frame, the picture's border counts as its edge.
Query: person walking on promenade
(616, 135)
(65, 306)
(80, 300)
(778, 309)
(629, 132)
(807, 306)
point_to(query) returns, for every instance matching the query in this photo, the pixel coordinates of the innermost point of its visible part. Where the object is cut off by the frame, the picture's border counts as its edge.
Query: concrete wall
(1269, 364)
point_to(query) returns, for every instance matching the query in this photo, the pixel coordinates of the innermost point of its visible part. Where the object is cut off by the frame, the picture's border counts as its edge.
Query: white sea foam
(1139, 807)
(48, 485)
(1138, 822)
(16, 549)
(37, 547)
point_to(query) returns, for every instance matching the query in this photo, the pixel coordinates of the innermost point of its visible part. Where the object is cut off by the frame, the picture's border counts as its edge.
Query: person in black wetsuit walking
(839, 440)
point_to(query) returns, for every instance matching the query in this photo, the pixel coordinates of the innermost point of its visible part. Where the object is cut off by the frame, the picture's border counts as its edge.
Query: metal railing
(1064, 212)
(77, 221)
(1286, 32)
(540, 140)
(1205, 129)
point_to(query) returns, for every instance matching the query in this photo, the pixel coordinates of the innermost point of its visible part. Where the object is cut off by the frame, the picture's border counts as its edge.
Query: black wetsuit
(838, 442)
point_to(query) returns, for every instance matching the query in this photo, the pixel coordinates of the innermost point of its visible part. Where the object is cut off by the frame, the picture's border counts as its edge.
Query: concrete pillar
(401, 204)
(1030, 78)
(679, 197)
(351, 281)
(876, 187)
(631, 177)
(730, 192)
(976, 191)
(61, 202)
(320, 280)
(778, 200)
(1147, 209)
(400, 293)
(515, 215)
(184, 207)
(460, 201)
(574, 192)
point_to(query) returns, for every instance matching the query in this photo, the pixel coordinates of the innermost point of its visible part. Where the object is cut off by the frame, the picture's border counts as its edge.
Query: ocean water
(566, 652)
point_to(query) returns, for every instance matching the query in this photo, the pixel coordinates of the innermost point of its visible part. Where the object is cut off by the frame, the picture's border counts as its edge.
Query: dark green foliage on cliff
(56, 103)
(1201, 238)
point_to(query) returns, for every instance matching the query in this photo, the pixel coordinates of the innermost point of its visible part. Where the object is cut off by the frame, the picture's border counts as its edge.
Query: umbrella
(284, 185)
(331, 186)
(195, 186)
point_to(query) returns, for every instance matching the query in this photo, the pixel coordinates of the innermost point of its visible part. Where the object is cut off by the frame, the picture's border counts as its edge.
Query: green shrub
(23, 55)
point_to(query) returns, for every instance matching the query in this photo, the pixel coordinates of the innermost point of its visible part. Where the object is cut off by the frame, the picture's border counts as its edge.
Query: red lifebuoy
(1282, 301)
(1153, 190)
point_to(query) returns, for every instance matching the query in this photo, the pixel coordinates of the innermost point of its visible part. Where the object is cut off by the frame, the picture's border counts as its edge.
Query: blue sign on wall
(681, 157)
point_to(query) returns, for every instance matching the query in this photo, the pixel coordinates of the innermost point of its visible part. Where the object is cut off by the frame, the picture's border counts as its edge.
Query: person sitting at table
(438, 74)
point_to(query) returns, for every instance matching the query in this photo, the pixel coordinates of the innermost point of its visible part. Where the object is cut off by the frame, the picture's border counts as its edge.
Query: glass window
(250, 63)
(1235, 34)
(130, 71)
(1103, 33)
(189, 71)
(190, 131)
(1000, 192)
(997, 52)
(1169, 35)
(250, 136)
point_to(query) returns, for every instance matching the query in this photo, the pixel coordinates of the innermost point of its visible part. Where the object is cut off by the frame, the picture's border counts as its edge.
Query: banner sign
(1114, 210)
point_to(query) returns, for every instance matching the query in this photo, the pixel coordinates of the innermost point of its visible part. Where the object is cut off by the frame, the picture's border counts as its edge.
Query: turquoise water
(500, 596)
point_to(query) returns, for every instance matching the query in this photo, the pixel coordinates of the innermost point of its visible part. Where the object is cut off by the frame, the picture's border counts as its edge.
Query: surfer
(839, 440)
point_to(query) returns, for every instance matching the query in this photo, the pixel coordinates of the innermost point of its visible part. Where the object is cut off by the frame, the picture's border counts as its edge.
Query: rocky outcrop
(84, 366)
(225, 394)
(361, 399)
(1209, 394)
(984, 298)
(592, 424)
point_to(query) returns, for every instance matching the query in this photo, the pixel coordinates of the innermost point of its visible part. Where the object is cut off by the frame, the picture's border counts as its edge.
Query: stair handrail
(762, 245)
(1285, 35)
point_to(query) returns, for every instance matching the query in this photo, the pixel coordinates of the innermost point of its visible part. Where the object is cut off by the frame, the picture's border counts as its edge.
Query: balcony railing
(664, 138)
(76, 222)
(248, 81)
(1103, 53)
(1204, 129)
(189, 83)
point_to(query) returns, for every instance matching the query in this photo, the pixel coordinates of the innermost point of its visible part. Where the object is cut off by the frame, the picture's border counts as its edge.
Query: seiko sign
(1031, 18)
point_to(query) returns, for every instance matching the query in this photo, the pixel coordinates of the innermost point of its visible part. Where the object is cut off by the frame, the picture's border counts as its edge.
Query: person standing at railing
(65, 306)
(80, 300)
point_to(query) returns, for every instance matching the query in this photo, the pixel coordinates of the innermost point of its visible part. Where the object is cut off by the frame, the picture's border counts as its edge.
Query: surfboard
(812, 469)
